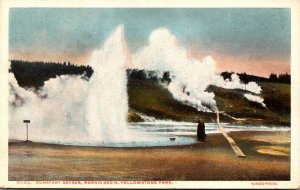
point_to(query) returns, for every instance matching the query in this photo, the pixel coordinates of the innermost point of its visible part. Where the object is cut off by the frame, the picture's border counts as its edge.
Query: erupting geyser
(107, 102)
(71, 110)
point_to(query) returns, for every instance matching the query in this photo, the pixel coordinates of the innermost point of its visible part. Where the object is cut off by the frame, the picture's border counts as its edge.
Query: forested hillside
(148, 98)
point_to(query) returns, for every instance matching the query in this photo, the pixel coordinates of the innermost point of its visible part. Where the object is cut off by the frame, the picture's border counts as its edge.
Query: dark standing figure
(201, 131)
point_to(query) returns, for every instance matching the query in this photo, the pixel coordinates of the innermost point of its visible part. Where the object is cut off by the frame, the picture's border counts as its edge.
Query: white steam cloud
(235, 83)
(56, 111)
(190, 77)
(256, 99)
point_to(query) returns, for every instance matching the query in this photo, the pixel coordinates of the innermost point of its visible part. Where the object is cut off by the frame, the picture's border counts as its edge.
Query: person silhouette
(201, 136)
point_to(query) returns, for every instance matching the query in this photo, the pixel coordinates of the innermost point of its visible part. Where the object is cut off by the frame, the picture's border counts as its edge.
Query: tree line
(34, 74)
(142, 74)
(245, 78)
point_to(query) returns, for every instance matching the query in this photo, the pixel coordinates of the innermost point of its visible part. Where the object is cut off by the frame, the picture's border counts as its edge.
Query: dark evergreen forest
(34, 74)
(245, 78)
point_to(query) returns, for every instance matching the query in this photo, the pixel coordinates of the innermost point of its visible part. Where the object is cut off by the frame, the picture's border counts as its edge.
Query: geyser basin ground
(213, 160)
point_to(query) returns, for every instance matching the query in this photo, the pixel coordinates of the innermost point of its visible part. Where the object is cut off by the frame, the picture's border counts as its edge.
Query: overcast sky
(237, 38)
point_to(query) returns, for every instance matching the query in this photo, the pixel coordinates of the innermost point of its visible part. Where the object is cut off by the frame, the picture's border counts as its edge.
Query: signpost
(26, 121)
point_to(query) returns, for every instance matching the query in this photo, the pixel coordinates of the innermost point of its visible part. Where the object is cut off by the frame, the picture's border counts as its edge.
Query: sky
(252, 40)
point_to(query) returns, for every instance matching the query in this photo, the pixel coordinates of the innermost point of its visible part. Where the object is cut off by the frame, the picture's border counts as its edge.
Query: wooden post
(26, 121)
(27, 130)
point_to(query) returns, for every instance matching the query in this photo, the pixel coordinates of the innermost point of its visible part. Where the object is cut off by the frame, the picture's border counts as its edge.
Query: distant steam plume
(189, 77)
(256, 99)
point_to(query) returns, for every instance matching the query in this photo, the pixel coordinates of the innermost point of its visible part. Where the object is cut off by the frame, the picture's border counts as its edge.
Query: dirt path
(232, 143)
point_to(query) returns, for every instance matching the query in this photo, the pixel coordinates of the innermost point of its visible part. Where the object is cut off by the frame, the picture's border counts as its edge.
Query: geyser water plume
(69, 109)
(107, 102)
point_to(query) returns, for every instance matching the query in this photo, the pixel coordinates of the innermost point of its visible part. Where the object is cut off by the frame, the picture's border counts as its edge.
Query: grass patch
(150, 98)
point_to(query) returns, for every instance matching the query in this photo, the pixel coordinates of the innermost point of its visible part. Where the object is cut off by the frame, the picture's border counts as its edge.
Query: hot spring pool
(158, 133)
